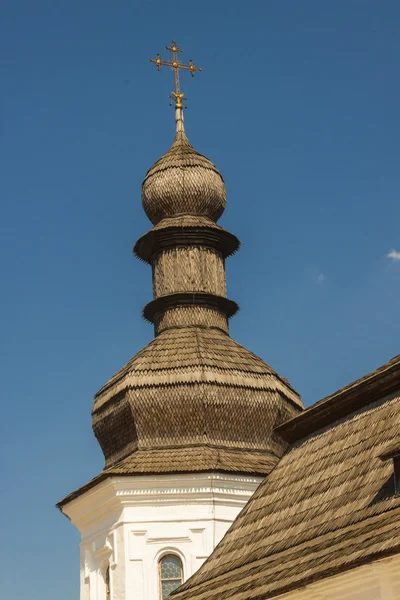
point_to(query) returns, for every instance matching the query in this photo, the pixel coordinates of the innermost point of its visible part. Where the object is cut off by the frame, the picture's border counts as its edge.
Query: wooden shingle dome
(183, 181)
(193, 399)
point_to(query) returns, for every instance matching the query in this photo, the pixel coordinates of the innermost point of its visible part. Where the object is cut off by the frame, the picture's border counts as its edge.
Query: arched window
(170, 573)
(107, 582)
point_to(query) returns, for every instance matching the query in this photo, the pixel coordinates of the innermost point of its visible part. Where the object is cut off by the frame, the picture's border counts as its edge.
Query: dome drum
(153, 309)
(194, 316)
(188, 269)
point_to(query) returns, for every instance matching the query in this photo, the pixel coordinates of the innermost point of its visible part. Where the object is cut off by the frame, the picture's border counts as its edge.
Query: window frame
(161, 579)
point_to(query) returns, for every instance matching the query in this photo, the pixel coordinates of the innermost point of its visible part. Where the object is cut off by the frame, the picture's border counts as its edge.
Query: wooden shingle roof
(193, 386)
(193, 399)
(196, 355)
(328, 506)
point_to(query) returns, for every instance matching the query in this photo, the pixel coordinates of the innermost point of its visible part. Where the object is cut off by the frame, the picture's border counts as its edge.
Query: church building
(195, 423)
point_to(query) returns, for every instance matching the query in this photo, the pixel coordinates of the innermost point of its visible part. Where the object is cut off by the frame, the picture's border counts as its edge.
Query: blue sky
(297, 105)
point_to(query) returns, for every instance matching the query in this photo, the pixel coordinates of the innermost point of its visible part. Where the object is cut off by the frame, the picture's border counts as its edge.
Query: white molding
(113, 494)
(131, 521)
(168, 540)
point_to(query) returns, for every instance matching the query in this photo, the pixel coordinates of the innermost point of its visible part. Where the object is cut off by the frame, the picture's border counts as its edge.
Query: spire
(193, 385)
(193, 399)
(193, 393)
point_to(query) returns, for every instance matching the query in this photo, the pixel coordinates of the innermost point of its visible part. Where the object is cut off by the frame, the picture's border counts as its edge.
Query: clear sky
(297, 105)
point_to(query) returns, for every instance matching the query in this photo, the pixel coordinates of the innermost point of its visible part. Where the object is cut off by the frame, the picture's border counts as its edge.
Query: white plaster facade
(129, 523)
(379, 580)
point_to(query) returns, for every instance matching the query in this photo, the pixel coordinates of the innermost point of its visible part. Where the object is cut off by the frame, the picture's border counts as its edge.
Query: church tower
(187, 425)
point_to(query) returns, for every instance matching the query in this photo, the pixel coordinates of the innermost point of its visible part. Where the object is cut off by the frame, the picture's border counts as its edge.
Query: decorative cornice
(115, 492)
(226, 306)
(154, 241)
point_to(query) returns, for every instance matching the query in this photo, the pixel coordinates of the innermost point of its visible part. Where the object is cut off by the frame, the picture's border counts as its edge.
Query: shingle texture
(193, 399)
(328, 506)
(192, 459)
(183, 181)
(194, 385)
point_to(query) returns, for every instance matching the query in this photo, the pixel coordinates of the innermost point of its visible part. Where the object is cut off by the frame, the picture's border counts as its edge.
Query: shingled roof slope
(193, 386)
(196, 355)
(194, 400)
(344, 401)
(328, 506)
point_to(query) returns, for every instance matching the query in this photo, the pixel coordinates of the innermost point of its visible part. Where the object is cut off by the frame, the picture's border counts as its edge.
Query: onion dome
(183, 181)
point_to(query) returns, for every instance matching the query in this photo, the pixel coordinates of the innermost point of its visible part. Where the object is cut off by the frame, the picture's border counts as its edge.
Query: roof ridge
(355, 395)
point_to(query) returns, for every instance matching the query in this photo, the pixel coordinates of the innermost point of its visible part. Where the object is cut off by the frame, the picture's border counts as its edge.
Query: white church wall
(130, 523)
(379, 580)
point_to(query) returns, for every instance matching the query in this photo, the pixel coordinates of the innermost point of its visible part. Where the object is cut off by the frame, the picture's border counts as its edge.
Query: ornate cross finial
(177, 96)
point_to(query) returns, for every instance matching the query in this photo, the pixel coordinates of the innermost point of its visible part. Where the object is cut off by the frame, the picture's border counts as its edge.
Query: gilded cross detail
(175, 65)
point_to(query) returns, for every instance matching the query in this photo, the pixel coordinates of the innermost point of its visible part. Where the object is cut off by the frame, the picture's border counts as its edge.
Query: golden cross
(175, 65)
